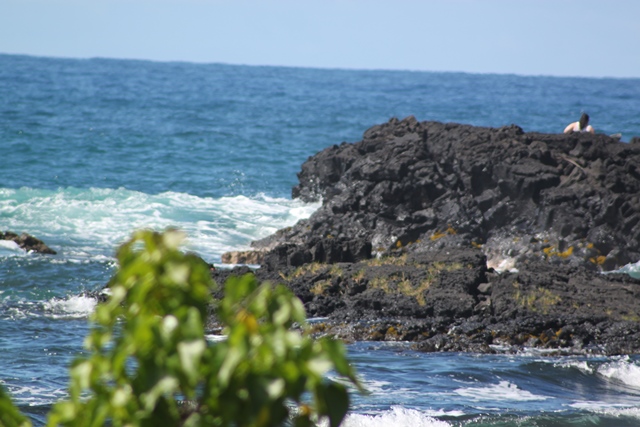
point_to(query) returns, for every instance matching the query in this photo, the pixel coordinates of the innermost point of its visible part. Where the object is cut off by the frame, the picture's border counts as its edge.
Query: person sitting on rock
(581, 125)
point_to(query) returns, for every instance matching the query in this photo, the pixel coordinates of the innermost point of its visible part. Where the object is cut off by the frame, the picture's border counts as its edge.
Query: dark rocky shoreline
(462, 238)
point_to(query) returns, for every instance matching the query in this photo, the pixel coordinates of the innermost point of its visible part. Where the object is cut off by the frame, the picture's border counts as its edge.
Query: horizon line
(328, 68)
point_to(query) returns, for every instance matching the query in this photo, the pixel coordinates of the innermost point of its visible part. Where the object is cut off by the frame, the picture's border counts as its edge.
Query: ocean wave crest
(74, 307)
(503, 391)
(623, 371)
(396, 416)
(88, 223)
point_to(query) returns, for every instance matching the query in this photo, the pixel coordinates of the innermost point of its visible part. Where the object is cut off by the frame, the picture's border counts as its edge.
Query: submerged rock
(418, 219)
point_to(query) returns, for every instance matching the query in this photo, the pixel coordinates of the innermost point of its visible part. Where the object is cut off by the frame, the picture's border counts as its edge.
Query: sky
(590, 38)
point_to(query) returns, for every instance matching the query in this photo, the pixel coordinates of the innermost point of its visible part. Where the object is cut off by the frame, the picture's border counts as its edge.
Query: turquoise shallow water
(91, 150)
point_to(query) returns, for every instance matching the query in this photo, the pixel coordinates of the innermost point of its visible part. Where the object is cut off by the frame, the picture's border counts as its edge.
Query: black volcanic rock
(27, 242)
(574, 198)
(462, 238)
(450, 301)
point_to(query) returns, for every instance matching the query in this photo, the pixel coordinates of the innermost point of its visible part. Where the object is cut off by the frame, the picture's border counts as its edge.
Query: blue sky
(533, 37)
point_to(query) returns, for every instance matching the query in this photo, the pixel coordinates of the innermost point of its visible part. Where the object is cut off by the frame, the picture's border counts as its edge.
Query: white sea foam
(502, 265)
(93, 222)
(623, 412)
(632, 270)
(9, 248)
(443, 413)
(609, 409)
(397, 417)
(215, 338)
(34, 395)
(503, 391)
(16, 310)
(599, 407)
(73, 307)
(622, 371)
(581, 365)
(375, 386)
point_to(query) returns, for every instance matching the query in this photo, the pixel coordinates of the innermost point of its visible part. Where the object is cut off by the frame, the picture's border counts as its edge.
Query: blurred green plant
(149, 363)
(10, 416)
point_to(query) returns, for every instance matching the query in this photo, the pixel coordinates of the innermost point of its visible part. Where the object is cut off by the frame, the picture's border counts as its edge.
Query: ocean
(92, 149)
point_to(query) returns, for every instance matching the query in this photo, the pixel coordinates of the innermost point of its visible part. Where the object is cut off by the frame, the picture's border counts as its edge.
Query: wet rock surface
(27, 242)
(418, 218)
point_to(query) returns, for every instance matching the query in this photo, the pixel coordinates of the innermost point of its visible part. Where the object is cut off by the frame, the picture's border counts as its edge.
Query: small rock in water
(27, 242)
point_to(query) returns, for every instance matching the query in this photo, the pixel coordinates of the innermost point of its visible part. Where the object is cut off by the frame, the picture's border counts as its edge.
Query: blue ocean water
(91, 150)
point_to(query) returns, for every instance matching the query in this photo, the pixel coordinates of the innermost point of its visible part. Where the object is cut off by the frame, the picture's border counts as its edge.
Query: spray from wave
(91, 223)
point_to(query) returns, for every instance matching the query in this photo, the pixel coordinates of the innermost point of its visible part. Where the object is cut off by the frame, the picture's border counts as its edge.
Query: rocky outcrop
(27, 242)
(451, 301)
(567, 198)
(460, 238)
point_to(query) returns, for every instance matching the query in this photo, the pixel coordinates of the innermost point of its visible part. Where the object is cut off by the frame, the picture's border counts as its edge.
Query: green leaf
(168, 327)
(121, 396)
(232, 360)
(166, 386)
(10, 416)
(336, 352)
(282, 314)
(335, 401)
(81, 374)
(178, 273)
(190, 355)
(319, 365)
(276, 388)
(173, 238)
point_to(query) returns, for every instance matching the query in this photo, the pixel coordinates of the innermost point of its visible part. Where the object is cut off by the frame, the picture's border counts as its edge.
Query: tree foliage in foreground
(149, 363)
(10, 416)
